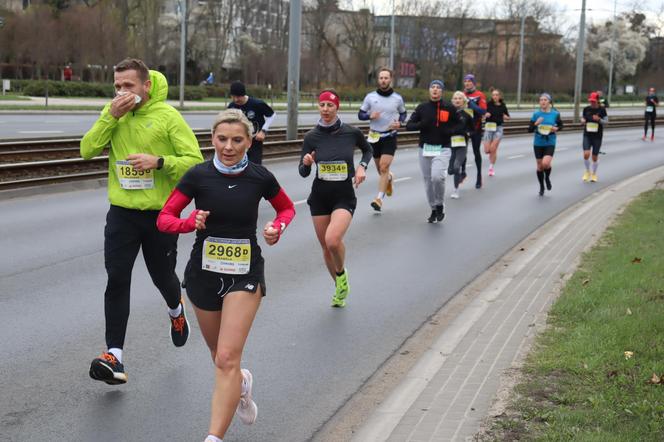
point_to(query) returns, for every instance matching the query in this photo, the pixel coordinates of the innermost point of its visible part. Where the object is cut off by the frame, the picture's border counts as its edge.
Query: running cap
(438, 82)
(238, 89)
(470, 77)
(594, 96)
(329, 96)
(547, 96)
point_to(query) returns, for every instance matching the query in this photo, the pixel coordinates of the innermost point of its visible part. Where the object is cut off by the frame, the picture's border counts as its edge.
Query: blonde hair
(459, 93)
(231, 116)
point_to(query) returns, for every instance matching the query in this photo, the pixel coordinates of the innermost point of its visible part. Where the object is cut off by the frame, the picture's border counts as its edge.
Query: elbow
(362, 115)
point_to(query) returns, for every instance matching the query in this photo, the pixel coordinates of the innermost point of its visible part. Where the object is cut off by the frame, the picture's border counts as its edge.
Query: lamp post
(578, 81)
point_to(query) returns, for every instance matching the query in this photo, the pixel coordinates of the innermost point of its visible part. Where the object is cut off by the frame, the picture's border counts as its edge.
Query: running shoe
(455, 195)
(247, 410)
(432, 217)
(644, 138)
(586, 176)
(377, 204)
(593, 177)
(491, 171)
(107, 368)
(652, 137)
(179, 328)
(390, 188)
(440, 213)
(341, 290)
(541, 191)
(478, 183)
(548, 183)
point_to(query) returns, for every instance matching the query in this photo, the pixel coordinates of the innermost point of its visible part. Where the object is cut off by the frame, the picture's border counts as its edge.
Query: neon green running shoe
(341, 290)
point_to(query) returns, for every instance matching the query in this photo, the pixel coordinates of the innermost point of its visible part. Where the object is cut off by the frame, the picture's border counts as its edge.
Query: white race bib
(431, 150)
(373, 136)
(650, 108)
(592, 127)
(458, 141)
(544, 129)
(490, 127)
(226, 255)
(132, 179)
(333, 170)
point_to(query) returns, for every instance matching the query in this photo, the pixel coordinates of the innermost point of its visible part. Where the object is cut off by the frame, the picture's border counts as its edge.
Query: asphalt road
(58, 124)
(307, 358)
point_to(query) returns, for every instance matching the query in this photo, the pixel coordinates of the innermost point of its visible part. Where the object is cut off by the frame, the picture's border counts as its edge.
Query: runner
(225, 278)
(594, 118)
(459, 141)
(151, 147)
(436, 121)
(387, 111)
(545, 123)
(332, 200)
(476, 109)
(496, 114)
(258, 112)
(651, 114)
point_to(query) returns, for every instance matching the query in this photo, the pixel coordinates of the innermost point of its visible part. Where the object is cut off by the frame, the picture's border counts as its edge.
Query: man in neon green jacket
(151, 147)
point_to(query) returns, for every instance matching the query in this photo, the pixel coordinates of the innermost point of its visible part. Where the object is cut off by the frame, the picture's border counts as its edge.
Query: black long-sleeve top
(436, 121)
(497, 112)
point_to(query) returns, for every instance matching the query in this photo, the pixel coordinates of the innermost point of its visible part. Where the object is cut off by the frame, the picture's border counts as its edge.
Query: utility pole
(183, 43)
(613, 42)
(518, 92)
(294, 30)
(580, 45)
(392, 39)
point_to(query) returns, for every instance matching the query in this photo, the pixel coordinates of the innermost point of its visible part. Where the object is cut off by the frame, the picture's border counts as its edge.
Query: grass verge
(590, 374)
(13, 98)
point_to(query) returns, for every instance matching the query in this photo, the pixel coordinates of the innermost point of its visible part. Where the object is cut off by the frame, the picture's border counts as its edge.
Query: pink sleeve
(285, 210)
(169, 220)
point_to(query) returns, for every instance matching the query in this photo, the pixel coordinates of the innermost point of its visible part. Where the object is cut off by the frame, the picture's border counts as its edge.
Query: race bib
(490, 127)
(544, 129)
(132, 179)
(226, 255)
(373, 136)
(458, 141)
(333, 170)
(469, 111)
(431, 150)
(592, 127)
(650, 108)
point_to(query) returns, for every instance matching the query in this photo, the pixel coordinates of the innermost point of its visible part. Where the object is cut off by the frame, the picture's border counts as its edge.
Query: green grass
(578, 384)
(13, 98)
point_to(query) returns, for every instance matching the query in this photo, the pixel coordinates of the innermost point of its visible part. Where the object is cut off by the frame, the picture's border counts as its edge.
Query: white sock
(595, 164)
(213, 438)
(491, 165)
(117, 352)
(175, 312)
(381, 195)
(587, 164)
(245, 387)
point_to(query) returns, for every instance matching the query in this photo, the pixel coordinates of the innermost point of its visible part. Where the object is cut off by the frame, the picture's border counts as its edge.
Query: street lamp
(182, 8)
(578, 81)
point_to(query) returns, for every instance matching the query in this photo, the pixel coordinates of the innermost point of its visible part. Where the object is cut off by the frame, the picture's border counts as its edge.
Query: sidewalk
(453, 386)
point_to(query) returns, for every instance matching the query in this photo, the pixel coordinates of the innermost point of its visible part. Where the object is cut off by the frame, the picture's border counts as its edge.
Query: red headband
(329, 96)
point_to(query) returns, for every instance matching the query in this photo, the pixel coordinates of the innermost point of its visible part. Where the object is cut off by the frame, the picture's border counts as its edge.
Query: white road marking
(41, 131)
(297, 203)
(406, 178)
(515, 156)
(562, 148)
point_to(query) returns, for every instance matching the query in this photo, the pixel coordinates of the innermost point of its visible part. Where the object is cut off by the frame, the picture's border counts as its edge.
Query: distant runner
(545, 123)
(594, 118)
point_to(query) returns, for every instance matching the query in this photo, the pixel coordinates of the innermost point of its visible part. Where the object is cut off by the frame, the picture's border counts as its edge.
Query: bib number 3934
(333, 170)
(132, 179)
(431, 150)
(226, 255)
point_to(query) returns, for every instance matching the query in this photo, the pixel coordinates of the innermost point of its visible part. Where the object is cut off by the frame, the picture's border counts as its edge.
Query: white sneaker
(455, 195)
(247, 410)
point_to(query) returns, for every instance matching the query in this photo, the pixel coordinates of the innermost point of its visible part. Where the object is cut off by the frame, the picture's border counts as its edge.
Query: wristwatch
(160, 163)
(363, 164)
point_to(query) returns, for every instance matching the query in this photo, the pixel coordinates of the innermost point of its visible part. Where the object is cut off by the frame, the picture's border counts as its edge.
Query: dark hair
(385, 69)
(134, 64)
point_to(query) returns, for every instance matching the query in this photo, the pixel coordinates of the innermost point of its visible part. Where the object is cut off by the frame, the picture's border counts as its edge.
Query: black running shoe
(433, 217)
(179, 328)
(478, 183)
(548, 183)
(440, 213)
(541, 192)
(108, 369)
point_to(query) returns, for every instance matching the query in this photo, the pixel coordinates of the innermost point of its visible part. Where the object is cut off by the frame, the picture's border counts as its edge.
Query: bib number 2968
(227, 255)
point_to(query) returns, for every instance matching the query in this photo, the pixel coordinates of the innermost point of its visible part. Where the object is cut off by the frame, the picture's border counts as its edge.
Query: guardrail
(37, 170)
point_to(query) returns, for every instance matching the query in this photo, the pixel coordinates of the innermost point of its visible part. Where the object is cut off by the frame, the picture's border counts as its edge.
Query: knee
(226, 360)
(333, 243)
(383, 168)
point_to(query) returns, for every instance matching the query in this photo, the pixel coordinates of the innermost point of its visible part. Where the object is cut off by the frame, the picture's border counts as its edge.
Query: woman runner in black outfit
(459, 141)
(224, 278)
(651, 114)
(496, 115)
(332, 200)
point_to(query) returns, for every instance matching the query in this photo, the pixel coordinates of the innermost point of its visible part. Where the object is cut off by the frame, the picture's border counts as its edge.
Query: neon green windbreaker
(155, 128)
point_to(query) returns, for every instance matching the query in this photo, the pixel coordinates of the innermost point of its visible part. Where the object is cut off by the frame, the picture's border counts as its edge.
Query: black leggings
(476, 141)
(457, 161)
(126, 231)
(650, 116)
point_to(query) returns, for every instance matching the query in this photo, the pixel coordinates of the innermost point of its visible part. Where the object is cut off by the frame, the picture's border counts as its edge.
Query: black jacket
(436, 121)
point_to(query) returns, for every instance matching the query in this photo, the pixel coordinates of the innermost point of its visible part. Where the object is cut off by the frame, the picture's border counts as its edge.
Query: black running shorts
(593, 142)
(326, 197)
(384, 146)
(543, 151)
(206, 290)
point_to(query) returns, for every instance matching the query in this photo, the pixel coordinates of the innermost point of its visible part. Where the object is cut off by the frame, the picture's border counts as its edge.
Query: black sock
(341, 272)
(547, 177)
(540, 178)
